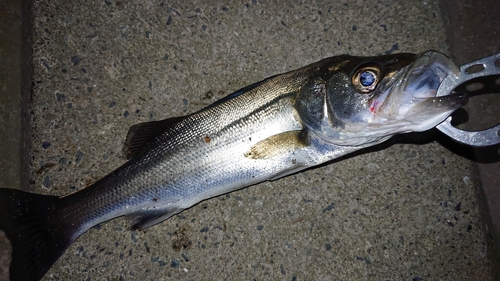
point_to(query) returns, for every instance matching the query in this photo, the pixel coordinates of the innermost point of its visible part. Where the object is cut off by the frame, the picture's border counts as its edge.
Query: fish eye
(366, 78)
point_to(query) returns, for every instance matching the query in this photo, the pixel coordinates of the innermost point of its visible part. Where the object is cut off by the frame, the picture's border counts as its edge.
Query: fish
(268, 130)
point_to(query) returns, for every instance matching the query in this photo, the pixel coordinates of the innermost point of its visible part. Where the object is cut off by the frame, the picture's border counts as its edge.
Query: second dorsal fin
(141, 134)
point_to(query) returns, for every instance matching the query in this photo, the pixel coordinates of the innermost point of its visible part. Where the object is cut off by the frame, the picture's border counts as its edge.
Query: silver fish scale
(198, 158)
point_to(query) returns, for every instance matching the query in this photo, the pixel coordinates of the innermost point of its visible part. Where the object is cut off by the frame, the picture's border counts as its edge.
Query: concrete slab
(474, 33)
(403, 211)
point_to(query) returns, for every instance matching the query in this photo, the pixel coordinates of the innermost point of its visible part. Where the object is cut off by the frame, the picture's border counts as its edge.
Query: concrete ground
(410, 209)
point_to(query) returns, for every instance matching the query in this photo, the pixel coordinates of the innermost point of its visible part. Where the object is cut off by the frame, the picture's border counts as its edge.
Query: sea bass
(273, 128)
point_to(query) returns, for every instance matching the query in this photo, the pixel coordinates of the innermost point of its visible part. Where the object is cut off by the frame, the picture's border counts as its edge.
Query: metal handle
(489, 66)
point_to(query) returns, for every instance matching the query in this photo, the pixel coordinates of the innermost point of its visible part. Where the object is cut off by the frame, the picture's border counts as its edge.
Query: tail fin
(38, 238)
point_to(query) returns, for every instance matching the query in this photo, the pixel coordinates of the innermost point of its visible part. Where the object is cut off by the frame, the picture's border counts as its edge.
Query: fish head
(359, 100)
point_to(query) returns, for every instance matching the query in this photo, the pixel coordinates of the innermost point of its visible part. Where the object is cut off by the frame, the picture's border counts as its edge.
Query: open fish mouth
(411, 101)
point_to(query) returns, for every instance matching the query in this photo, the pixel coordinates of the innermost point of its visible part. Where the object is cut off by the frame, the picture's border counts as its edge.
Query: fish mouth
(412, 100)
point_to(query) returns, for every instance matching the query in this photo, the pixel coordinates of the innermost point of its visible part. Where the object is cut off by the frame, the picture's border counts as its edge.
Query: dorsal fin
(141, 134)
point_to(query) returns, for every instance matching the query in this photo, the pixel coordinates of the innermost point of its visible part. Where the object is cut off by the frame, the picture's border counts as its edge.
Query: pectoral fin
(279, 144)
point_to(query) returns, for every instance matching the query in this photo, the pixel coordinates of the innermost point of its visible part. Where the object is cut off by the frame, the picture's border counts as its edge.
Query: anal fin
(147, 218)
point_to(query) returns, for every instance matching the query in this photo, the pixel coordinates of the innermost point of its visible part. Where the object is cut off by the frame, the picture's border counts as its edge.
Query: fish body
(276, 127)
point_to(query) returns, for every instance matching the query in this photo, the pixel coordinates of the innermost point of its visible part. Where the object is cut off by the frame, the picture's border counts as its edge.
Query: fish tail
(33, 225)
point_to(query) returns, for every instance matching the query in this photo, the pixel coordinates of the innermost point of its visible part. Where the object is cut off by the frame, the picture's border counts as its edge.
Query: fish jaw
(412, 101)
